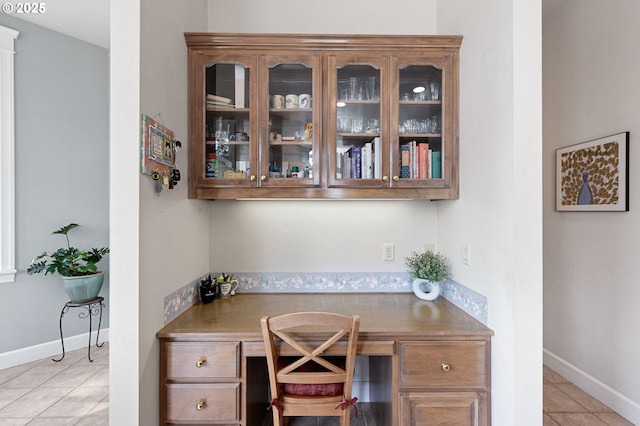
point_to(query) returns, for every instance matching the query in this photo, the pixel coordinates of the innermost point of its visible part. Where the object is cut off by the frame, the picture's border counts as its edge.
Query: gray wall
(61, 138)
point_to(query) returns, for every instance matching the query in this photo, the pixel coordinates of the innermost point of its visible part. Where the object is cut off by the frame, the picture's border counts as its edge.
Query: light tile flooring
(76, 392)
(73, 391)
(565, 404)
(365, 418)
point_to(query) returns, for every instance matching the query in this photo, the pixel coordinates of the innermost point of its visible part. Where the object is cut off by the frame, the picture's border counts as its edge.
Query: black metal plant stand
(91, 307)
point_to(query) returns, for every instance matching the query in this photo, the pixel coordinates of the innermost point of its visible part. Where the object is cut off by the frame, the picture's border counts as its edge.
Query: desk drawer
(217, 402)
(203, 360)
(443, 364)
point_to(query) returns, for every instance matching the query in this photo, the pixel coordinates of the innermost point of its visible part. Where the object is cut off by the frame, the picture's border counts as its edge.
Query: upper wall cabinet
(323, 116)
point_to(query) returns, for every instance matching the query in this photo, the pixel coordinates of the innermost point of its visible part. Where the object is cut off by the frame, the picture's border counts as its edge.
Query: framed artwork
(157, 147)
(594, 175)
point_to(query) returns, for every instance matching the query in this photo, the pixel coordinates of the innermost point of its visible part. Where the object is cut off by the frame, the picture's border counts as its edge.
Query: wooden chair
(316, 379)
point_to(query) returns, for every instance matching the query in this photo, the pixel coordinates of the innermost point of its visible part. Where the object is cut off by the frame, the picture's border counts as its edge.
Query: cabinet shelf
(419, 135)
(228, 110)
(213, 143)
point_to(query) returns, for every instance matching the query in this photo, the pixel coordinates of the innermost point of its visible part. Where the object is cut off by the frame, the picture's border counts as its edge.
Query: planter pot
(83, 288)
(425, 289)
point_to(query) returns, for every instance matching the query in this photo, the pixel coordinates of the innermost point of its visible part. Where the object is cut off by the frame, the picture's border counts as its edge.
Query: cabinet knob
(385, 178)
(446, 367)
(263, 178)
(202, 404)
(202, 361)
(253, 177)
(396, 178)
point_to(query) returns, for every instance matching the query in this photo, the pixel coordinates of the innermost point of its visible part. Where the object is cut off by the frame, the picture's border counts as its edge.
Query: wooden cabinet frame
(389, 52)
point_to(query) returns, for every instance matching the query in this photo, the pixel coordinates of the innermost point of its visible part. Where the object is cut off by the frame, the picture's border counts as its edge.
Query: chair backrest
(314, 338)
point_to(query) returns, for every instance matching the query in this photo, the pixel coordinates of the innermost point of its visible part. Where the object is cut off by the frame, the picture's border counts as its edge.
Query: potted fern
(429, 270)
(80, 276)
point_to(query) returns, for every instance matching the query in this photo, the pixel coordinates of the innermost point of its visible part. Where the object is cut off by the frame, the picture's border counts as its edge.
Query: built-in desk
(429, 362)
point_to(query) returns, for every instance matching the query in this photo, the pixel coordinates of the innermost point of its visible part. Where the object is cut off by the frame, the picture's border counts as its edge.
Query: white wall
(492, 216)
(162, 241)
(317, 236)
(174, 244)
(124, 352)
(591, 90)
(328, 16)
(499, 211)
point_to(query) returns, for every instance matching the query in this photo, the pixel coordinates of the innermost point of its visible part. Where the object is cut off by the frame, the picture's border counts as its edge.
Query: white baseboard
(49, 349)
(594, 387)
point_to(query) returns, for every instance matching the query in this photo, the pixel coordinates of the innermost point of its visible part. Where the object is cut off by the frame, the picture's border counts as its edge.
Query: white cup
(228, 289)
(292, 101)
(304, 101)
(277, 101)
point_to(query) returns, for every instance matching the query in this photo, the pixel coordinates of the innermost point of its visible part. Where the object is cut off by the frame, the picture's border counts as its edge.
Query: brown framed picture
(594, 175)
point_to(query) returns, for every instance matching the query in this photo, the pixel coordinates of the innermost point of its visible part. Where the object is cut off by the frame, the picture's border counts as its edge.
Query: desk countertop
(396, 315)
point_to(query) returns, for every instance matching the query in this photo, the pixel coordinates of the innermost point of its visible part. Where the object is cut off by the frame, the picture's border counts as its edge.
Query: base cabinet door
(440, 409)
(214, 403)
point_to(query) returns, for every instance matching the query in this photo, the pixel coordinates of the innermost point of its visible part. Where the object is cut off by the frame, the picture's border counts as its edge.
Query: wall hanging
(158, 149)
(594, 175)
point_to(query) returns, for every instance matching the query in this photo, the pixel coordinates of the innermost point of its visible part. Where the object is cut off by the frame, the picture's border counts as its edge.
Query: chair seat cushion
(327, 389)
(304, 389)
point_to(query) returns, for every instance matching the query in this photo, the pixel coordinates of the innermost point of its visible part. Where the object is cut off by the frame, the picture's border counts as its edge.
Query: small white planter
(425, 289)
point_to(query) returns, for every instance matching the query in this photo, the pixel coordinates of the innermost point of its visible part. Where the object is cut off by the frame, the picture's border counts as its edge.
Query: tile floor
(365, 418)
(565, 404)
(76, 392)
(73, 391)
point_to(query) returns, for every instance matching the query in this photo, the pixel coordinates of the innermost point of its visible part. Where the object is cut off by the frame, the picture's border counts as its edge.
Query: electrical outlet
(388, 252)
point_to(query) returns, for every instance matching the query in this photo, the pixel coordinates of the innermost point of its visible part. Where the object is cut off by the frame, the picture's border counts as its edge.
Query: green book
(436, 165)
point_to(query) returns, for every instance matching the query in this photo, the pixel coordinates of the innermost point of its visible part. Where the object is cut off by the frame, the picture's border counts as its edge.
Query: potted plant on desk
(429, 270)
(80, 276)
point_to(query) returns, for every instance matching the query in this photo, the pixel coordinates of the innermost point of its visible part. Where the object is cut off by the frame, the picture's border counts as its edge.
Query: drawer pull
(202, 361)
(446, 367)
(202, 404)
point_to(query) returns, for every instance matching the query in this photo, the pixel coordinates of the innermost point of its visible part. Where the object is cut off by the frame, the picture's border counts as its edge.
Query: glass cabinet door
(291, 129)
(229, 126)
(420, 143)
(357, 121)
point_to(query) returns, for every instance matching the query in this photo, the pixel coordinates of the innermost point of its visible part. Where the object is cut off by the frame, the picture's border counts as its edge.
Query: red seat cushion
(308, 389)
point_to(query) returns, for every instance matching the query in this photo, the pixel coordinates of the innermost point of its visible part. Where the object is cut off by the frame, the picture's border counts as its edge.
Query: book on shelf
(413, 156)
(404, 161)
(377, 158)
(423, 156)
(355, 152)
(218, 105)
(367, 161)
(239, 72)
(222, 99)
(436, 168)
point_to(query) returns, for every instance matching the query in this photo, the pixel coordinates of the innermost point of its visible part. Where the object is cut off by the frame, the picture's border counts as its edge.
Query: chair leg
(278, 420)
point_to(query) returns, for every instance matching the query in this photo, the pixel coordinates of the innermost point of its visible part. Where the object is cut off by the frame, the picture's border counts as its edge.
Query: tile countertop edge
(466, 299)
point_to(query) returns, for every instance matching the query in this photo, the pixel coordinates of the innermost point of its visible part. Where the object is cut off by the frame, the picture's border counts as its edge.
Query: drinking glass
(435, 91)
(372, 88)
(353, 87)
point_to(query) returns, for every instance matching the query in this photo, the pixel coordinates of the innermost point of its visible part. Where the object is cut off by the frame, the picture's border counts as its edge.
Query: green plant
(68, 262)
(428, 265)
